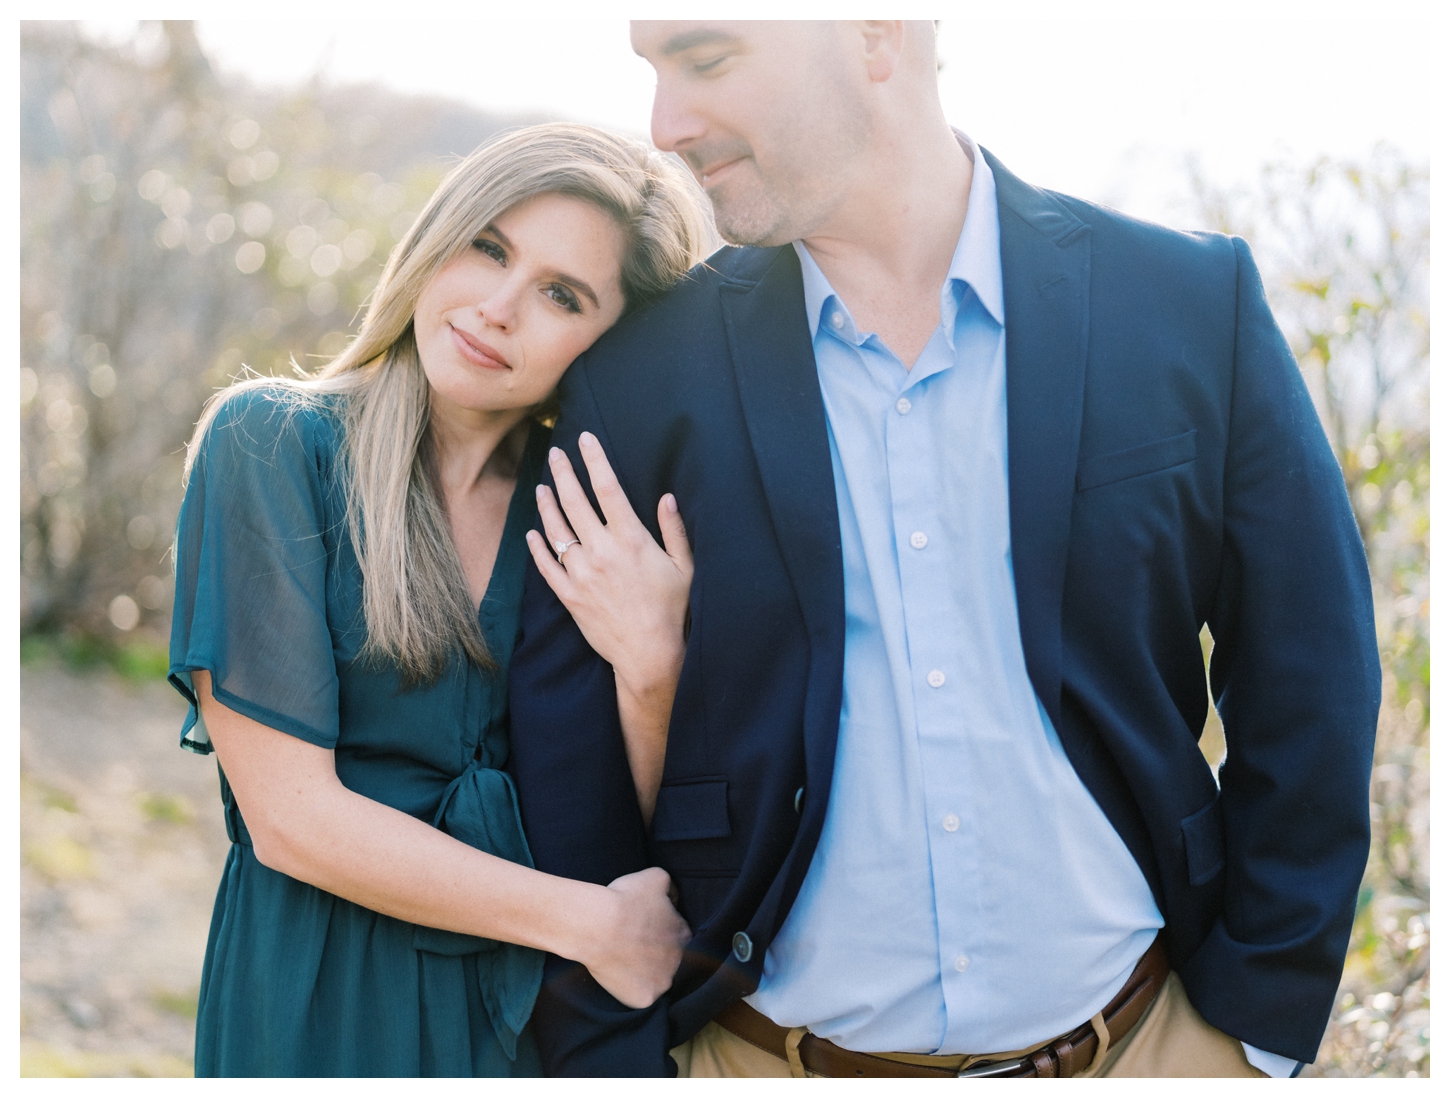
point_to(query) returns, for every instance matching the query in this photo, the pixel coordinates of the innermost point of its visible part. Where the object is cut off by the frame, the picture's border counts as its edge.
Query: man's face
(770, 117)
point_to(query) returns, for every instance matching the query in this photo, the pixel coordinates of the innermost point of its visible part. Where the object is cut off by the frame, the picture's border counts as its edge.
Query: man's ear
(883, 41)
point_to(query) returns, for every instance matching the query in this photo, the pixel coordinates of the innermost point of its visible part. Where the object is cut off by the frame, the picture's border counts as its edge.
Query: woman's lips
(477, 352)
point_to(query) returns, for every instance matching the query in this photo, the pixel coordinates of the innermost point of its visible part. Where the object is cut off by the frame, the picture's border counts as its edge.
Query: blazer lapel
(775, 372)
(1046, 262)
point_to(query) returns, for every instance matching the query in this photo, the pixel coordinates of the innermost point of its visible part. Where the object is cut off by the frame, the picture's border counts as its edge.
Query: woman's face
(498, 325)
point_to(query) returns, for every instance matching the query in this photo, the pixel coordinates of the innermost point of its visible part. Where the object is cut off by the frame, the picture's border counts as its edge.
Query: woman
(350, 561)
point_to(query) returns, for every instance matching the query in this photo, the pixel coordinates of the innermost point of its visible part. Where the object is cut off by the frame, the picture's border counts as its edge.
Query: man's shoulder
(688, 311)
(1113, 227)
(669, 341)
(1063, 217)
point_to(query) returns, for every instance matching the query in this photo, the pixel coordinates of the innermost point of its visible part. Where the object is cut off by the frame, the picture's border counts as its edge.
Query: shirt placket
(914, 454)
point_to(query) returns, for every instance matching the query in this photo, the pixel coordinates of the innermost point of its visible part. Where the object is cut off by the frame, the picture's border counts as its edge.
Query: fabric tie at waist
(480, 808)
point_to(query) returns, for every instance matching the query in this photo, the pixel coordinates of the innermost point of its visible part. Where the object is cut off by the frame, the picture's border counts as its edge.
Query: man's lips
(711, 174)
(478, 352)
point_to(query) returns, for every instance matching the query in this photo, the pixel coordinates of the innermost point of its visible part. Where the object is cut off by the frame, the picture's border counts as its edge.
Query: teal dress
(297, 981)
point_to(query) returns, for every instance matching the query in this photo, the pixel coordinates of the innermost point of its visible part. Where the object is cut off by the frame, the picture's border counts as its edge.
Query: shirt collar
(976, 262)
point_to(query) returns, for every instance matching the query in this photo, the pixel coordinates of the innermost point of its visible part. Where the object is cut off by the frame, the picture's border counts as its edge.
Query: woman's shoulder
(270, 419)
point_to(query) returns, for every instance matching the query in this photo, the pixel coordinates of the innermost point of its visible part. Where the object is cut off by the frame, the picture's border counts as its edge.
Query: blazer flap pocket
(1203, 843)
(1137, 461)
(692, 810)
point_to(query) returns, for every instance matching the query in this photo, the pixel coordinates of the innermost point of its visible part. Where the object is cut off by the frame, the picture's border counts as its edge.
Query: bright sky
(1099, 98)
(1098, 107)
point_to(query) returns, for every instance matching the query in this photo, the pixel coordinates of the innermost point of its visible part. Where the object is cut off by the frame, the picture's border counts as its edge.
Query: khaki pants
(1170, 1041)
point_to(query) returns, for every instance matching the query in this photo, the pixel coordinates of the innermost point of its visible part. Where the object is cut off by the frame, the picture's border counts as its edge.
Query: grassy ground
(122, 848)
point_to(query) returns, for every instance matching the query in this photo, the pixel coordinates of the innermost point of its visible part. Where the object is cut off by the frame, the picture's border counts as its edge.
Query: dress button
(918, 540)
(962, 962)
(742, 946)
(838, 320)
(950, 822)
(799, 796)
(903, 406)
(935, 678)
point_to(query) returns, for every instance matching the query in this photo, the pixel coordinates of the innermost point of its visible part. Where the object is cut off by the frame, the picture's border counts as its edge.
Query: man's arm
(579, 803)
(1295, 672)
(629, 597)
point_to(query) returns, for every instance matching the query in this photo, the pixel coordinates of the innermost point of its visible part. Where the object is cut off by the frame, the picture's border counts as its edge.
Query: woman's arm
(628, 597)
(306, 824)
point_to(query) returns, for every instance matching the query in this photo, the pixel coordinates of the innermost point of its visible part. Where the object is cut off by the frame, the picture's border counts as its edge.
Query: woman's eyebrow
(493, 230)
(558, 276)
(576, 284)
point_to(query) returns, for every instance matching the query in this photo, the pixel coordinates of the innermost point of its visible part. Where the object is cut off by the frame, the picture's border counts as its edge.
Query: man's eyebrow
(558, 276)
(705, 36)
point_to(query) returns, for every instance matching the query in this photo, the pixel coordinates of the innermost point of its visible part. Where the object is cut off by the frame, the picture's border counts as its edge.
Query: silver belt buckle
(993, 1068)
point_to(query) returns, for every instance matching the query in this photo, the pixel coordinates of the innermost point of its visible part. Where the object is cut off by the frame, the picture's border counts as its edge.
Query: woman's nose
(500, 307)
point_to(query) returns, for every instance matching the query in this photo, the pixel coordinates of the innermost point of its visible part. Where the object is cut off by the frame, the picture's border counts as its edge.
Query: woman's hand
(306, 824)
(628, 597)
(641, 940)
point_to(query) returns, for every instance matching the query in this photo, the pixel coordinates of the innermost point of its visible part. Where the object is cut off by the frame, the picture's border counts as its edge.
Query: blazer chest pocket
(692, 810)
(1203, 843)
(1153, 457)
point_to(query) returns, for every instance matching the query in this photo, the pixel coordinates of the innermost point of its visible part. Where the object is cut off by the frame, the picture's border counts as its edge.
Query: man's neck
(887, 250)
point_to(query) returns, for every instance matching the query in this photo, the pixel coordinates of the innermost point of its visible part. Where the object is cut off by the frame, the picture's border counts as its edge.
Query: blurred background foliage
(177, 228)
(1344, 247)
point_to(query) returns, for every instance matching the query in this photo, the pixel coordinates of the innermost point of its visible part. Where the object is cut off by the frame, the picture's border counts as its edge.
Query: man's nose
(675, 123)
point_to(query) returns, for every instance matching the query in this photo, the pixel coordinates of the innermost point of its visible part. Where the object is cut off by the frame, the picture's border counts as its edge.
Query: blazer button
(799, 796)
(742, 946)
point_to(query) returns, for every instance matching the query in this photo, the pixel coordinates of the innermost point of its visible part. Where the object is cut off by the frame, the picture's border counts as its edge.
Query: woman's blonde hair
(416, 601)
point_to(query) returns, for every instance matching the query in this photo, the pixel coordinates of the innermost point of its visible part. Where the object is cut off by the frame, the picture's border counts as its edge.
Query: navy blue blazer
(1166, 469)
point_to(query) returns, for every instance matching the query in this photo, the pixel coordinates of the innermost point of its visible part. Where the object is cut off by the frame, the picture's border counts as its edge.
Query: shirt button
(918, 540)
(742, 946)
(951, 823)
(838, 320)
(903, 406)
(962, 962)
(935, 678)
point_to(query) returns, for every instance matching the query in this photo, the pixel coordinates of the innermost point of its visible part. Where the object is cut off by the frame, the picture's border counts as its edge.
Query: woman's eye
(702, 67)
(490, 249)
(562, 295)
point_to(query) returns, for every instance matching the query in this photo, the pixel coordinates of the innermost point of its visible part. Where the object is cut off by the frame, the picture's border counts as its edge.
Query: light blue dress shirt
(967, 893)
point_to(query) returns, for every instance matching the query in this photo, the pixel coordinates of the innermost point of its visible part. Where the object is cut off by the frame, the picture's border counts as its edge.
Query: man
(967, 466)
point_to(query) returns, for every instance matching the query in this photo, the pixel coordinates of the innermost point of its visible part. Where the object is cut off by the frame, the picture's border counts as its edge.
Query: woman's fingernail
(539, 490)
(670, 505)
(555, 453)
(585, 436)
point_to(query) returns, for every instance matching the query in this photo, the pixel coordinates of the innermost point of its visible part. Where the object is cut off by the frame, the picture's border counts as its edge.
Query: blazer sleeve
(578, 801)
(1295, 673)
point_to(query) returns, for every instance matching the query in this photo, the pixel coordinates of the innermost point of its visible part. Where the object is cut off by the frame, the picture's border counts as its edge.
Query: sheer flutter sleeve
(252, 566)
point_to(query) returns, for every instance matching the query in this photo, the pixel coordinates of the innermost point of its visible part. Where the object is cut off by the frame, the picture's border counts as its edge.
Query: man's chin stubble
(752, 224)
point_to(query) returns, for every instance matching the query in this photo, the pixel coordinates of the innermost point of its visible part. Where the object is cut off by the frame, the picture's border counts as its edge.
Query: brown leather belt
(1062, 1057)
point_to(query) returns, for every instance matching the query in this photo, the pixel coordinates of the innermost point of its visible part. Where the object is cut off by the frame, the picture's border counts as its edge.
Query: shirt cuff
(1271, 1063)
